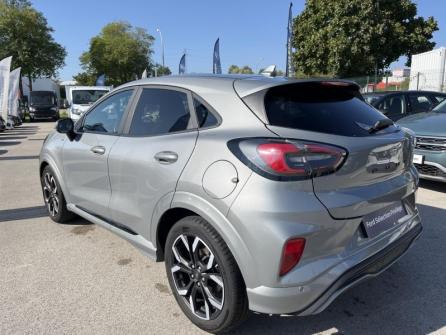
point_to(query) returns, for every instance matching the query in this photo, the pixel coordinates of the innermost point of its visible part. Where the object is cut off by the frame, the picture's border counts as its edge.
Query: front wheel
(204, 276)
(54, 198)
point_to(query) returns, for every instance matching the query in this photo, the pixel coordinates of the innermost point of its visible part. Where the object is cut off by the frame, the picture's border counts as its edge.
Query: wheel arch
(186, 204)
(48, 161)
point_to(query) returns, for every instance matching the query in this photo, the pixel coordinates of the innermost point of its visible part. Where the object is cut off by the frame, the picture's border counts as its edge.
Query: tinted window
(393, 106)
(85, 97)
(439, 98)
(204, 117)
(42, 98)
(160, 111)
(106, 116)
(419, 103)
(441, 108)
(322, 108)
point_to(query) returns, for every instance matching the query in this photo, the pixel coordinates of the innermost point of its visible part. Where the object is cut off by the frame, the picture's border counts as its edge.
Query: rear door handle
(98, 150)
(166, 157)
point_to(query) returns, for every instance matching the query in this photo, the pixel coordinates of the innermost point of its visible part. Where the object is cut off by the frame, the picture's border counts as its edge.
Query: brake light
(288, 159)
(291, 255)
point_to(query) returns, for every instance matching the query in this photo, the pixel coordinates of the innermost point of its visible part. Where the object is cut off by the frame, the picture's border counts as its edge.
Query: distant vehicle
(2, 125)
(398, 104)
(430, 149)
(80, 98)
(43, 105)
(260, 193)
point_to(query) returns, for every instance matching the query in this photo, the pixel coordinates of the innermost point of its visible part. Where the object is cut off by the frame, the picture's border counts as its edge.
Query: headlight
(76, 111)
(54, 109)
(32, 109)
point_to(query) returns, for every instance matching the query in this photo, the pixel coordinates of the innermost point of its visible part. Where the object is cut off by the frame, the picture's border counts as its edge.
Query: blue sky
(251, 32)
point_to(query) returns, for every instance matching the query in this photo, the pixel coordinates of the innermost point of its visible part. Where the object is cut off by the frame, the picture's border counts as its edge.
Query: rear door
(376, 172)
(145, 164)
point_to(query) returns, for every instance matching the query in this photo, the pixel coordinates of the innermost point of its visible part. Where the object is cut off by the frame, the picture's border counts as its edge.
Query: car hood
(430, 124)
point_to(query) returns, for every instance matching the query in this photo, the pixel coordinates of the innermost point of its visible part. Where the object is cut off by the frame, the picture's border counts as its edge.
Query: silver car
(265, 194)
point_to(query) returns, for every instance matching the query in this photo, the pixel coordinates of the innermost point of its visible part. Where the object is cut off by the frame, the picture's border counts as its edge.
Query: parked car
(2, 125)
(430, 149)
(398, 104)
(265, 194)
(43, 105)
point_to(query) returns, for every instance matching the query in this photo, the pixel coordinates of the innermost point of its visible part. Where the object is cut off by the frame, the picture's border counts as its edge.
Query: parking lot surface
(78, 278)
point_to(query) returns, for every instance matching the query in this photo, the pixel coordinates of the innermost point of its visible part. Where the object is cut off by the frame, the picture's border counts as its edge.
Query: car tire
(53, 196)
(222, 289)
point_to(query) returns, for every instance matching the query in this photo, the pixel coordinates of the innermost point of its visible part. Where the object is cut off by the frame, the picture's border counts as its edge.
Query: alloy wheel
(50, 194)
(197, 277)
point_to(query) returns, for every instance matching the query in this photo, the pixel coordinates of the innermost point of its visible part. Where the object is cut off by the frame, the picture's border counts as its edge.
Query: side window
(419, 103)
(160, 111)
(106, 117)
(394, 105)
(205, 117)
(439, 98)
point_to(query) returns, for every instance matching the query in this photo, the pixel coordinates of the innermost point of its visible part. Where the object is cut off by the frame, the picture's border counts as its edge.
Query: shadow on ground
(409, 298)
(433, 185)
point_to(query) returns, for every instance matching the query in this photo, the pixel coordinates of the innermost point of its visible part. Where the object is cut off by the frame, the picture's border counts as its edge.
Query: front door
(145, 164)
(85, 157)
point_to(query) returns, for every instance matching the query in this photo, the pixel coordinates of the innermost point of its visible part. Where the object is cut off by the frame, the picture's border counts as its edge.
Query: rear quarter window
(319, 107)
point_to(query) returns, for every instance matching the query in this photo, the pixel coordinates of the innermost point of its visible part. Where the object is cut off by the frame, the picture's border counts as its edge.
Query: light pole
(162, 45)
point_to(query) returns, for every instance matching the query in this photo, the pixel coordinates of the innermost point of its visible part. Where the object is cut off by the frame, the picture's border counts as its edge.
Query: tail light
(288, 159)
(292, 252)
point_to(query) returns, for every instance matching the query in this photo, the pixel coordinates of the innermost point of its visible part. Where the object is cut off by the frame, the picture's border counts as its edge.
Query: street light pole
(162, 45)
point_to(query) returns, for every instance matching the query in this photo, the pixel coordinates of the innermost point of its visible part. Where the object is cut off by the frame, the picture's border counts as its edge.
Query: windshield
(441, 108)
(87, 97)
(43, 98)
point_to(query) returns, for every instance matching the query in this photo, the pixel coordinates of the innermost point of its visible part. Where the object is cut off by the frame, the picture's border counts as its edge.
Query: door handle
(166, 157)
(99, 150)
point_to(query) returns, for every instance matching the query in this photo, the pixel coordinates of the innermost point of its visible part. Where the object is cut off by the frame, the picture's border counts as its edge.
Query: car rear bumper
(314, 297)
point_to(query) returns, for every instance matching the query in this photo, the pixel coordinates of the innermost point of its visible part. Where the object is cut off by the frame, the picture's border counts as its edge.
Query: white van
(80, 98)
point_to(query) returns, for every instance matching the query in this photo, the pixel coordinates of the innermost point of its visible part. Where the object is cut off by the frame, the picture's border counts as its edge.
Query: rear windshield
(321, 107)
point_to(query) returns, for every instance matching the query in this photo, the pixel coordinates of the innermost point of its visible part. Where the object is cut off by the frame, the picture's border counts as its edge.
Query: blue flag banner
(289, 71)
(182, 66)
(101, 80)
(216, 69)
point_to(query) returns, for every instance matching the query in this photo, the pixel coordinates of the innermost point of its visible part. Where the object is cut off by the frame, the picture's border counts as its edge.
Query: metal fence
(417, 81)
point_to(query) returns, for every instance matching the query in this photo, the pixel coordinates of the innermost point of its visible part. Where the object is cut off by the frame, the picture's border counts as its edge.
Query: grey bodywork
(255, 216)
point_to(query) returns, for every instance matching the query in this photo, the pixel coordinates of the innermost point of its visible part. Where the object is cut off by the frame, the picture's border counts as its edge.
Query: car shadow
(406, 299)
(433, 185)
(9, 143)
(2, 152)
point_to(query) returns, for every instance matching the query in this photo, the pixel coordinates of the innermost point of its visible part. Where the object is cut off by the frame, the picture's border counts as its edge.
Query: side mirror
(66, 126)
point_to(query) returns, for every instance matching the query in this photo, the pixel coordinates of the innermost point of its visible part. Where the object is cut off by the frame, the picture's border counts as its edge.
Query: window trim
(81, 121)
(211, 110)
(193, 118)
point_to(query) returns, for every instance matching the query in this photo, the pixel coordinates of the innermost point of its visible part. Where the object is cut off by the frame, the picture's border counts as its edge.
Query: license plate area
(418, 159)
(381, 220)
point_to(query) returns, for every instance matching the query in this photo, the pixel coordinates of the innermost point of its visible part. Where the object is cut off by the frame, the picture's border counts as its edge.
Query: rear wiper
(379, 125)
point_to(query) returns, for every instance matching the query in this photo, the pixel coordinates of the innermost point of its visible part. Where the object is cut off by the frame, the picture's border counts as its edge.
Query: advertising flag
(13, 100)
(144, 74)
(182, 66)
(5, 67)
(289, 72)
(216, 69)
(101, 80)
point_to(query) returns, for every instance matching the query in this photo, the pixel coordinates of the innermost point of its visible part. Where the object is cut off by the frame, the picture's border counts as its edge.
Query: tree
(120, 51)
(26, 36)
(241, 70)
(162, 70)
(234, 69)
(355, 37)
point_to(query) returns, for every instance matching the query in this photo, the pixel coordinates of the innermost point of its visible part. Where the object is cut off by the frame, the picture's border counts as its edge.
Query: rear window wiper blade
(380, 124)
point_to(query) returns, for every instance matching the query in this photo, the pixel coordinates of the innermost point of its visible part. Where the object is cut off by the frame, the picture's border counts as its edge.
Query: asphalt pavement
(78, 278)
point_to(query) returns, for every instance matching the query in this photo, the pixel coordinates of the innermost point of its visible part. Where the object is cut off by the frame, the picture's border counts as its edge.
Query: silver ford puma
(265, 194)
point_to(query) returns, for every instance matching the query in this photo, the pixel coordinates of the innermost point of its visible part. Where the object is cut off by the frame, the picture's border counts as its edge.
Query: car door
(85, 157)
(146, 162)
(393, 106)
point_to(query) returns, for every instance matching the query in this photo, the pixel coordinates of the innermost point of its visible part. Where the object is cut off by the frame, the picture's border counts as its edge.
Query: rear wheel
(54, 198)
(204, 276)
